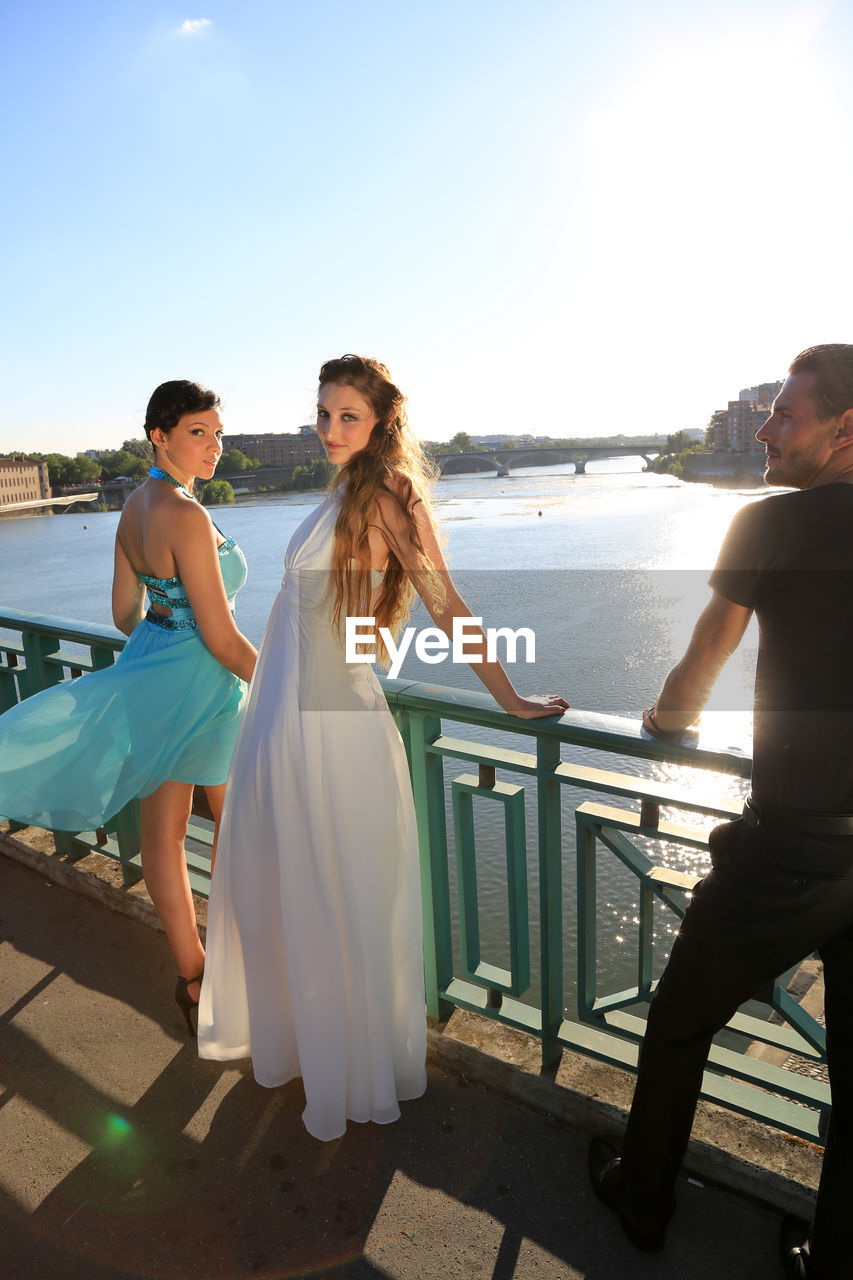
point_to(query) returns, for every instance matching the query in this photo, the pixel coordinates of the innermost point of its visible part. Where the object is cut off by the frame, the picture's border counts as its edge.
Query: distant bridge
(548, 455)
(46, 504)
(111, 493)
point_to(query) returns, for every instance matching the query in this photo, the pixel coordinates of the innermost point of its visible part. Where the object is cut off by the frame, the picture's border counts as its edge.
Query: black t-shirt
(790, 558)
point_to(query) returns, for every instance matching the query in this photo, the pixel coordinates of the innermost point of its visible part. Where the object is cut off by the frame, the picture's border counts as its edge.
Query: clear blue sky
(544, 215)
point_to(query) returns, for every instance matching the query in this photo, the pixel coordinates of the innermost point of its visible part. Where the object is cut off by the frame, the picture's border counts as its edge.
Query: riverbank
(723, 470)
(733, 470)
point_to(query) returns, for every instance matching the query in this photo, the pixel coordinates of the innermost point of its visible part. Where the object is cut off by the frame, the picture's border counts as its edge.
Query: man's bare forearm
(688, 686)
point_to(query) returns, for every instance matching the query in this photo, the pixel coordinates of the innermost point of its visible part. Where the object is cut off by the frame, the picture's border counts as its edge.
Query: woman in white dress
(314, 960)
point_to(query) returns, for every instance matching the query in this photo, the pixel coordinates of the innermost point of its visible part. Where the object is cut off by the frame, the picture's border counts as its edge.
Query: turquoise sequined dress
(73, 755)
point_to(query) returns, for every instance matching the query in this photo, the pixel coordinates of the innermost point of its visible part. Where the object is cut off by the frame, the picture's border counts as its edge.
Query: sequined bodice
(169, 593)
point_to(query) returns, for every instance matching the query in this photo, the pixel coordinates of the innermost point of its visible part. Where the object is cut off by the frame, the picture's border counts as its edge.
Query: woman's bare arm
(446, 605)
(128, 597)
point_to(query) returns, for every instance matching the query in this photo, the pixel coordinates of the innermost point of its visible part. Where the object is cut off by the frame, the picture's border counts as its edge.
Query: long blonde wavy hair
(392, 463)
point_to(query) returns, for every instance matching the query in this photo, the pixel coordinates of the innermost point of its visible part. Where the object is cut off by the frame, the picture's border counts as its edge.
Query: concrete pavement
(124, 1155)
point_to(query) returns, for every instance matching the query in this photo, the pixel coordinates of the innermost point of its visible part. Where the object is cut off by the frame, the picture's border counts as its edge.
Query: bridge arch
(443, 459)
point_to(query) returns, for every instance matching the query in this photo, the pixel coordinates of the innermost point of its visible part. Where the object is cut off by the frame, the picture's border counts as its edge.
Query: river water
(608, 569)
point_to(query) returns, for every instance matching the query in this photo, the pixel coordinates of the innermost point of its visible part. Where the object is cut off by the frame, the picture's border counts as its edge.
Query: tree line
(132, 460)
(670, 460)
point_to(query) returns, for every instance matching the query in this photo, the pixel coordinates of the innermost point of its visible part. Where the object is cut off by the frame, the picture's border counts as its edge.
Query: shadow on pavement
(126, 1156)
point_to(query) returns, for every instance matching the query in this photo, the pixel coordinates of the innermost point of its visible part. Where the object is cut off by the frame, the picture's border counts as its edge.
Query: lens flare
(117, 1129)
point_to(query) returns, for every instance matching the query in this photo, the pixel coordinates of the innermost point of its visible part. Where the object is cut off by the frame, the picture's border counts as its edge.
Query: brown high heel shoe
(184, 1000)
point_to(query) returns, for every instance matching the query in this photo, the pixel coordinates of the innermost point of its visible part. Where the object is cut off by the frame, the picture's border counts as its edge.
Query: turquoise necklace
(157, 473)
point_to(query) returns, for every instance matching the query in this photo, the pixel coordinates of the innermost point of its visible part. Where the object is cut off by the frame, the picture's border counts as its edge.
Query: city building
(765, 393)
(23, 480)
(720, 429)
(278, 449)
(734, 428)
(744, 419)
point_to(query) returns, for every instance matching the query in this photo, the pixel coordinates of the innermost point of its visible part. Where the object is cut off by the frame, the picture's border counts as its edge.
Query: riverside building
(734, 428)
(22, 480)
(278, 449)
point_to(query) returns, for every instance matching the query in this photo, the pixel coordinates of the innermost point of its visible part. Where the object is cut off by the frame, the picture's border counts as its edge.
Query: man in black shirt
(781, 883)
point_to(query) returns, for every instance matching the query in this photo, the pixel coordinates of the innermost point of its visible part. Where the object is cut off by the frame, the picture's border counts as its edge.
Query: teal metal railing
(530, 991)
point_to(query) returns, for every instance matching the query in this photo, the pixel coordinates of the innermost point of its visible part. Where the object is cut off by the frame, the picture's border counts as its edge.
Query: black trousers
(767, 903)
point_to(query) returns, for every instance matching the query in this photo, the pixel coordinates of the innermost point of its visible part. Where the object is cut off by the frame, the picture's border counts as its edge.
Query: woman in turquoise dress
(165, 716)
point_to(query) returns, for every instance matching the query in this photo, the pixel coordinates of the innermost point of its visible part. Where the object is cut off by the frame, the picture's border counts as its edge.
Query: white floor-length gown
(314, 954)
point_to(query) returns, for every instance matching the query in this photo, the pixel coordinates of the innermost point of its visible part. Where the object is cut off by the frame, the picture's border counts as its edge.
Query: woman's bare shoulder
(134, 502)
(169, 515)
(190, 519)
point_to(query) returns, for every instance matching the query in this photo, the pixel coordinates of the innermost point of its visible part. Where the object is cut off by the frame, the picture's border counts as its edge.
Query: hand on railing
(676, 737)
(537, 706)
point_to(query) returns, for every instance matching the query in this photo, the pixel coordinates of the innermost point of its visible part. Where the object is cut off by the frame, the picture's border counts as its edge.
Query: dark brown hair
(832, 365)
(173, 400)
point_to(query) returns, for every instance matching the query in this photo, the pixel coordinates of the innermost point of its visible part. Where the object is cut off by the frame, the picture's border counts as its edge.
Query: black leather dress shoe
(794, 1249)
(604, 1174)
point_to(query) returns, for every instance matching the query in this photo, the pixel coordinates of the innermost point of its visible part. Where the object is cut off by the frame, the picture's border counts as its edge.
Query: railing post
(9, 673)
(645, 948)
(39, 674)
(66, 843)
(586, 898)
(649, 814)
(428, 788)
(128, 836)
(550, 898)
(102, 656)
